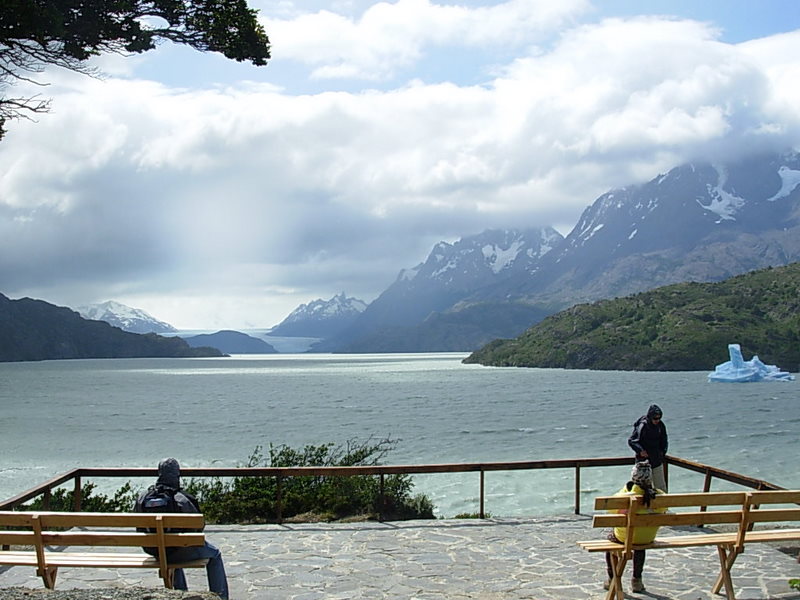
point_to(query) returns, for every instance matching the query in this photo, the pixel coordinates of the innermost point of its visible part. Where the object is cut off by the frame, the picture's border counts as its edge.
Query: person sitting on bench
(640, 484)
(166, 495)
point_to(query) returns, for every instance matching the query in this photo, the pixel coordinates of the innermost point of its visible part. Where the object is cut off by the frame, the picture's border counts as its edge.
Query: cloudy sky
(218, 195)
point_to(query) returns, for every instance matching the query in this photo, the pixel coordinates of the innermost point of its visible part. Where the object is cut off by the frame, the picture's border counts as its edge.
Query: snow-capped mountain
(479, 260)
(698, 222)
(450, 273)
(126, 318)
(321, 318)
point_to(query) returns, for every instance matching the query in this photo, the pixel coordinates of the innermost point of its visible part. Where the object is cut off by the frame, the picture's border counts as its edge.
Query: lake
(58, 415)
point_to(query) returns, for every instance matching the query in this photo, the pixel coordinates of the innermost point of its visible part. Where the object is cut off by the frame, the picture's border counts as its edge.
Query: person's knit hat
(642, 474)
(654, 411)
(169, 473)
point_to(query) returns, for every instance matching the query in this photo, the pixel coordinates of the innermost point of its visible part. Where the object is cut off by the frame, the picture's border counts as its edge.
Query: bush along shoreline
(254, 499)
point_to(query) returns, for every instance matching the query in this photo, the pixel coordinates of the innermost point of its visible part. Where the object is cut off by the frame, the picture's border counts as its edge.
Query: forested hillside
(686, 326)
(36, 330)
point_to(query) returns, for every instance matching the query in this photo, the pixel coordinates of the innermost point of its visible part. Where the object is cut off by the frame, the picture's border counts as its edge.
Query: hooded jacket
(169, 476)
(650, 437)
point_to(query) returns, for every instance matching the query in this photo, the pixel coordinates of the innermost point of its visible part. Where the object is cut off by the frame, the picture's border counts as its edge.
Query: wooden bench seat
(747, 512)
(43, 537)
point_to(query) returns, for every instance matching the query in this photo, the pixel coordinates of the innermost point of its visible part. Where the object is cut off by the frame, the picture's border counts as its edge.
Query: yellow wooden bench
(747, 512)
(40, 539)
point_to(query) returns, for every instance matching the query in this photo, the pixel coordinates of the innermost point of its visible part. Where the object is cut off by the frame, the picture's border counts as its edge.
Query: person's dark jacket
(169, 481)
(650, 437)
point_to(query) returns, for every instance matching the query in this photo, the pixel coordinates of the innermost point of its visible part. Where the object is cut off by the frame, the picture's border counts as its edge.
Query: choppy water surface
(57, 415)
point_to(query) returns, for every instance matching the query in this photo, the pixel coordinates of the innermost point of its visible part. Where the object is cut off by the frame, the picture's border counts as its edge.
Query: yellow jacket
(641, 535)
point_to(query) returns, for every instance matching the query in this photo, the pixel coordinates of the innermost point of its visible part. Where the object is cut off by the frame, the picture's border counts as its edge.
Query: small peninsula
(681, 327)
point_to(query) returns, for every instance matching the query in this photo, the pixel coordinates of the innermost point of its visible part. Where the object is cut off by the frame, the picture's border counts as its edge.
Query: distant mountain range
(321, 318)
(130, 319)
(415, 312)
(136, 320)
(698, 222)
(37, 330)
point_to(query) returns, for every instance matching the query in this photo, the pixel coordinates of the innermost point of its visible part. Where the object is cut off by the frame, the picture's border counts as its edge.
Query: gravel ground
(132, 593)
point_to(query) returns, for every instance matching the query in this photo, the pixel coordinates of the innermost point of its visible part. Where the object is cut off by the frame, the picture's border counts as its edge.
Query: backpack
(160, 499)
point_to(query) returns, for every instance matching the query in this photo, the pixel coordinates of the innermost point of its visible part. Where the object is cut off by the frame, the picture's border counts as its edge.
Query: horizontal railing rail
(79, 474)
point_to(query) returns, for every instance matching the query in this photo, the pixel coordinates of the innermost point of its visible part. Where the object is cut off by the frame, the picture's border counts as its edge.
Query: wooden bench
(38, 539)
(745, 513)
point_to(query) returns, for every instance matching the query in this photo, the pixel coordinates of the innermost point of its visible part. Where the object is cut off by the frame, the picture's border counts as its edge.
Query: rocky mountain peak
(320, 318)
(126, 318)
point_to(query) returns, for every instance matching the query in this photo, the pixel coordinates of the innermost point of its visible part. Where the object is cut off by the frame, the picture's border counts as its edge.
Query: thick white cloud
(186, 201)
(391, 36)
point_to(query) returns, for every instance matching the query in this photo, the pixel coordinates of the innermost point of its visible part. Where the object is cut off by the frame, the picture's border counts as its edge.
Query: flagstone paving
(493, 559)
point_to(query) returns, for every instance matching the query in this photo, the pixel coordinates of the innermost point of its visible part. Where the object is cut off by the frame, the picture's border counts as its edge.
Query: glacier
(738, 370)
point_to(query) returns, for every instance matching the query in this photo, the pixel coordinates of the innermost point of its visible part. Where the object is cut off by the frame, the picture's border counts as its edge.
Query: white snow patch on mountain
(722, 203)
(594, 230)
(498, 258)
(549, 240)
(450, 265)
(790, 179)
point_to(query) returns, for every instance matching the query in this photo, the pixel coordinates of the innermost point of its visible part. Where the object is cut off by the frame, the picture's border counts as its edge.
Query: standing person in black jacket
(169, 482)
(649, 441)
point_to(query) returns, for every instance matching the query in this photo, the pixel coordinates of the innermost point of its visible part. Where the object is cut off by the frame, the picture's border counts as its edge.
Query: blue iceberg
(738, 370)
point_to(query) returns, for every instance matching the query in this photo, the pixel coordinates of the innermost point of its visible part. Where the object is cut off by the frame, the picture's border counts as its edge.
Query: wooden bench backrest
(740, 508)
(50, 520)
(54, 528)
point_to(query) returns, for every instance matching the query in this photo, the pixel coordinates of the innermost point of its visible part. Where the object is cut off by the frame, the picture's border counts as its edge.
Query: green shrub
(254, 499)
(63, 500)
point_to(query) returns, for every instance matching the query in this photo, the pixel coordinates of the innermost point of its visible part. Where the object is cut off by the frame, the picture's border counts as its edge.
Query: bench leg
(726, 560)
(618, 562)
(169, 579)
(48, 575)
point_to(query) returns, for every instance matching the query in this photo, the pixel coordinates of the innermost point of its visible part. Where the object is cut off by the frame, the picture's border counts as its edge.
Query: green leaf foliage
(686, 326)
(78, 29)
(63, 500)
(35, 34)
(254, 499)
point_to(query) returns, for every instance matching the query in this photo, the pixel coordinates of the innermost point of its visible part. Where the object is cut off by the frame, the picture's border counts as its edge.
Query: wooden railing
(77, 476)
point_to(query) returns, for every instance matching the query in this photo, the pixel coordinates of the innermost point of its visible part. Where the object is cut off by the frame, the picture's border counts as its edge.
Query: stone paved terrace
(497, 559)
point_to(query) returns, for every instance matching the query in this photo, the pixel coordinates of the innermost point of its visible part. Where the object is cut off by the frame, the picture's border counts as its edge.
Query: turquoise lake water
(57, 415)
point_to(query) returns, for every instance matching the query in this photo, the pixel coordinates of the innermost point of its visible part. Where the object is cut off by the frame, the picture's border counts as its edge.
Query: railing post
(48, 493)
(706, 488)
(707, 482)
(482, 512)
(77, 496)
(381, 497)
(577, 489)
(279, 498)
